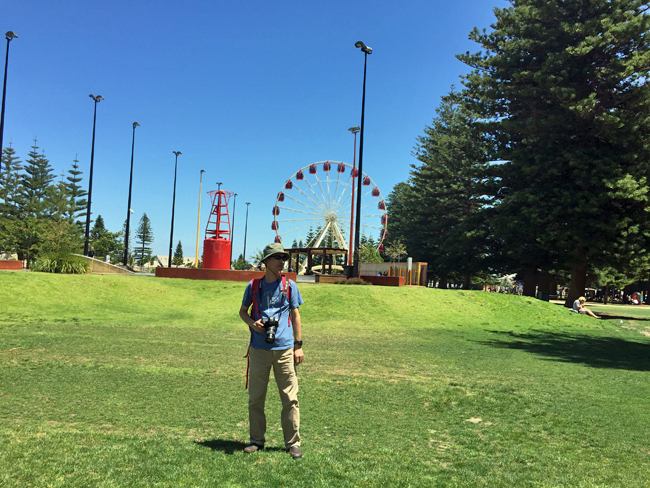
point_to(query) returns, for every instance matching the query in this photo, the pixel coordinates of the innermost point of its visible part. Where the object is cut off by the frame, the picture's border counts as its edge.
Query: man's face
(274, 263)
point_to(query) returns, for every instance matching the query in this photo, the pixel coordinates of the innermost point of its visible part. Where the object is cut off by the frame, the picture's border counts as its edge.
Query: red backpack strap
(286, 290)
(255, 286)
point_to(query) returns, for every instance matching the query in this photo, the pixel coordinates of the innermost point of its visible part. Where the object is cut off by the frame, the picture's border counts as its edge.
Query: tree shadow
(608, 316)
(597, 352)
(230, 447)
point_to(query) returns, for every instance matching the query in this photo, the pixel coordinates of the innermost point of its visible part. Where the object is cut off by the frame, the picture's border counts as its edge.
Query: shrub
(61, 262)
(352, 281)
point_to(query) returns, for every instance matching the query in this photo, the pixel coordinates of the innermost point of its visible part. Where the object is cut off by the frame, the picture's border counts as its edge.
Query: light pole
(366, 50)
(128, 208)
(355, 131)
(171, 235)
(232, 233)
(198, 224)
(246, 229)
(97, 99)
(219, 185)
(9, 35)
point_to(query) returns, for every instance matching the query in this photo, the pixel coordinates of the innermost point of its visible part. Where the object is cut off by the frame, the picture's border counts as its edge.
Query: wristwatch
(297, 343)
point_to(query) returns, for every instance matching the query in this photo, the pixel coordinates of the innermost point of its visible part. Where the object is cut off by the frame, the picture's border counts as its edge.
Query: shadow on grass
(597, 352)
(230, 447)
(608, 316)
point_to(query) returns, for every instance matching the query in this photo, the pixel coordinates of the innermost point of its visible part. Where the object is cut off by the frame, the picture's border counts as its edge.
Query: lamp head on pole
(96, 98)
(354, 129)
(10, 35)
(135, 124)
(177, 153)
(202, 171)
(364, 48)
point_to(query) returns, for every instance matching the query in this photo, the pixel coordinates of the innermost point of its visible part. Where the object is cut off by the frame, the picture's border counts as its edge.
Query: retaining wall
(11, 265)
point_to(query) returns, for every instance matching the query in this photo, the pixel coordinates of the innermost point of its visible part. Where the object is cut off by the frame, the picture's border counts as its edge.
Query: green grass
(135, 381)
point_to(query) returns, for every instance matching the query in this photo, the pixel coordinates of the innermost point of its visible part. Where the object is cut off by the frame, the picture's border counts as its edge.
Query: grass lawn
(134, 381)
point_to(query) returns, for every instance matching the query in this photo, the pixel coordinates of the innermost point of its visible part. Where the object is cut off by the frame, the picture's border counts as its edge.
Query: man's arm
(298, 354)
(255, 325)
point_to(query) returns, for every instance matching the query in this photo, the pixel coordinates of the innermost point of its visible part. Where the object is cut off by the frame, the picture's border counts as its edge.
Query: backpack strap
(286, 290)
(255, 284)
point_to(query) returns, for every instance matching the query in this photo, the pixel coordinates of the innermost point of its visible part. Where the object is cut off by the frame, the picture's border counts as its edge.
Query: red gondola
(312, 169)
(280, 197)
(299, 175)
(384, 219)
(276, 210)
(383, 233)
(375, 192)
(354, 173)
(382, 205)
(278, 239)
(326, 166)
(288, 185)
(341, 168)
(274, 225)
(366, 181)
(381, 247)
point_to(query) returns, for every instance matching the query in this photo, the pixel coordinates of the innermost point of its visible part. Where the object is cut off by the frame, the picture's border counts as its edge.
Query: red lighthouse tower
(218, 239)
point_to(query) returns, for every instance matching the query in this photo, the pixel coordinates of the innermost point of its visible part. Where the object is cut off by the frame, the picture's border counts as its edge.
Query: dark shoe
(251, 448)
(295, 452)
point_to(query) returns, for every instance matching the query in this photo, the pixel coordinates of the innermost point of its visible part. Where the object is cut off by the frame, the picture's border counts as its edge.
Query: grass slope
(134, 381)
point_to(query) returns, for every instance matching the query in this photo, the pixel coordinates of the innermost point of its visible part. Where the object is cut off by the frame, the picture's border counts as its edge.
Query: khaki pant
(261, 361)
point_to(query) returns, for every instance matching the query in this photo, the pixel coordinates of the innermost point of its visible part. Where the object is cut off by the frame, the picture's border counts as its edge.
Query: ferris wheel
(315, 206)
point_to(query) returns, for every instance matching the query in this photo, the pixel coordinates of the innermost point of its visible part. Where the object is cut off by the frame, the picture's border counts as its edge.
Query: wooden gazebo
(327, 253)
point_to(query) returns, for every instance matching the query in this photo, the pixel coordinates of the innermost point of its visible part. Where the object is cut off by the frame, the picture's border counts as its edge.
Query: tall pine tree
(76, 195)
(144, 240)
(10, 198)
(563, 89)
(436, 215)
(34, 208)
(178, 255)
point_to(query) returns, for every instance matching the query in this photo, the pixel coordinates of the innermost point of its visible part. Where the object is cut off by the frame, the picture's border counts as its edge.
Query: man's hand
(258, 326)
(298, 355)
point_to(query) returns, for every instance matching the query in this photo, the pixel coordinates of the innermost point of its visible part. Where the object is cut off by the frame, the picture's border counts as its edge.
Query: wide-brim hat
(274, 248)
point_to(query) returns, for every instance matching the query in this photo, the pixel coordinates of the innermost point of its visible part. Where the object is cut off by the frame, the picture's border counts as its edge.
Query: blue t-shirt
(272, 303)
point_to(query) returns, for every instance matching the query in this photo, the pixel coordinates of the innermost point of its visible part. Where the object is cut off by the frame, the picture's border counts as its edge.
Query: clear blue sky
(249, 91)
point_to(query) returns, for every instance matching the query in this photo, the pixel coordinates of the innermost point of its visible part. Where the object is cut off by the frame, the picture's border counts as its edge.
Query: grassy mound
(134, 381)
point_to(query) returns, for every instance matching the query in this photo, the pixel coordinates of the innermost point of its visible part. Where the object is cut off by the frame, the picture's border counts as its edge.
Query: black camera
(270, 326)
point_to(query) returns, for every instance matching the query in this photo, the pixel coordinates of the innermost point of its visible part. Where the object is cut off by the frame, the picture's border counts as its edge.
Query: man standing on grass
(273, 296)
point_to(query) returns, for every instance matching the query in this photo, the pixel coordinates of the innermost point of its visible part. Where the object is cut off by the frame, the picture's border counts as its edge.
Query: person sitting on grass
(579, 306)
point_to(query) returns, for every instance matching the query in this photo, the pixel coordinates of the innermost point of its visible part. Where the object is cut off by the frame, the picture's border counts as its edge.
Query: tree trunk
(544, 283)
(443, 283)
(552, 288)
(606, 296)
(530, 280)
(467, 283)
(577, 285)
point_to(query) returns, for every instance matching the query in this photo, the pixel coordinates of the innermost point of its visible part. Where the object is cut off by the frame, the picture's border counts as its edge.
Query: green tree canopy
(562, 90)
(104, 242)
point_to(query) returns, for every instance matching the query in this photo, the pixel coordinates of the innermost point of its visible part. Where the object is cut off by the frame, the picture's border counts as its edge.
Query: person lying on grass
(579, 306)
